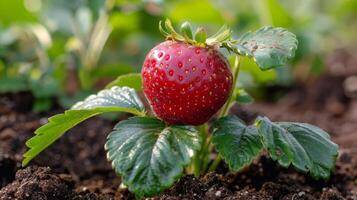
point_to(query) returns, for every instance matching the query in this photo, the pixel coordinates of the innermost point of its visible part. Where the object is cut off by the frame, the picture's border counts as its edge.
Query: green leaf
(237, 143)
(200, 35)
(242, 96)
(149, 155)
(186, 30)
(163, 30)
(307, 147)
(270, 47)
(112, 100)
(129, 80)
(171, 30)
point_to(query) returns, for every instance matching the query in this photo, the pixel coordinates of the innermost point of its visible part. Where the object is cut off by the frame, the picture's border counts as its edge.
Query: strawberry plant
(187, 82)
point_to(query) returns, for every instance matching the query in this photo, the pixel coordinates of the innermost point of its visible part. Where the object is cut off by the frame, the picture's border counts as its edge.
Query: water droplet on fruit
(180, 78)
(197, 51)
(160, 54)
(180, 64)
(204, 72)
(193, 68)
(201, 60)
(167, 57)
(171, 72)
(186, 71)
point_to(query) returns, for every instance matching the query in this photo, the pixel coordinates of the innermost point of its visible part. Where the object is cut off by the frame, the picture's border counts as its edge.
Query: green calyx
(198, 37)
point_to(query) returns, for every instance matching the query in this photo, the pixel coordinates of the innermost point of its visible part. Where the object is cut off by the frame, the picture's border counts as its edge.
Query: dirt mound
(264, 179)
(36, 184)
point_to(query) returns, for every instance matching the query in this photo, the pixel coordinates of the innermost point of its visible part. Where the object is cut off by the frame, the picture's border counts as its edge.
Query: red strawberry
(186, 84)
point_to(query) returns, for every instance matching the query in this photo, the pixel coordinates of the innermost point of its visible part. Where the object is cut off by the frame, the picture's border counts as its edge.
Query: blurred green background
(67, 49)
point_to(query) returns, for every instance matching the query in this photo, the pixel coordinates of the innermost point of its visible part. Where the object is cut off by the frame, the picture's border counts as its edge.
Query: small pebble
(218, 193)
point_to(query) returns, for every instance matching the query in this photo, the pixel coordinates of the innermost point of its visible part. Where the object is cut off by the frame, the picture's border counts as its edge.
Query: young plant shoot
(188, 81)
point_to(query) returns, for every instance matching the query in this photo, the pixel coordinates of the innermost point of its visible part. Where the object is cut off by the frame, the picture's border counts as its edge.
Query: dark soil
(75, 166)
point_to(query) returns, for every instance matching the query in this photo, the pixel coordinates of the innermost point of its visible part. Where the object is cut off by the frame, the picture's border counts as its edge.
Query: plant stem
(205, 152)
(236, 68)
(228, 104)
(199, 157)
(215, 163)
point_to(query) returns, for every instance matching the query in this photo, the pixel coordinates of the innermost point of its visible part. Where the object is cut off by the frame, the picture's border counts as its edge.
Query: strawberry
(185, 83)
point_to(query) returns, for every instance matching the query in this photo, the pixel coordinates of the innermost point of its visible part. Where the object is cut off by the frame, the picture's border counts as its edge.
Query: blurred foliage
(67, 48)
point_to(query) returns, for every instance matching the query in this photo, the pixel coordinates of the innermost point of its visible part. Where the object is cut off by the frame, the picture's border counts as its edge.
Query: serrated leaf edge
(174, 178)
(276, 30)
(34, 150)
(290, 162)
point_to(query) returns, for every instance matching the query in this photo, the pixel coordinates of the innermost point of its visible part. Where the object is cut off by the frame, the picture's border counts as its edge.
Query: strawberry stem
(236, 68)
(201, 158)
(215, 163)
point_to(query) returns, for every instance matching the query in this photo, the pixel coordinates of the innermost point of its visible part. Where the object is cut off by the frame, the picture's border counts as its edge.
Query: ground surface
(75, 166)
